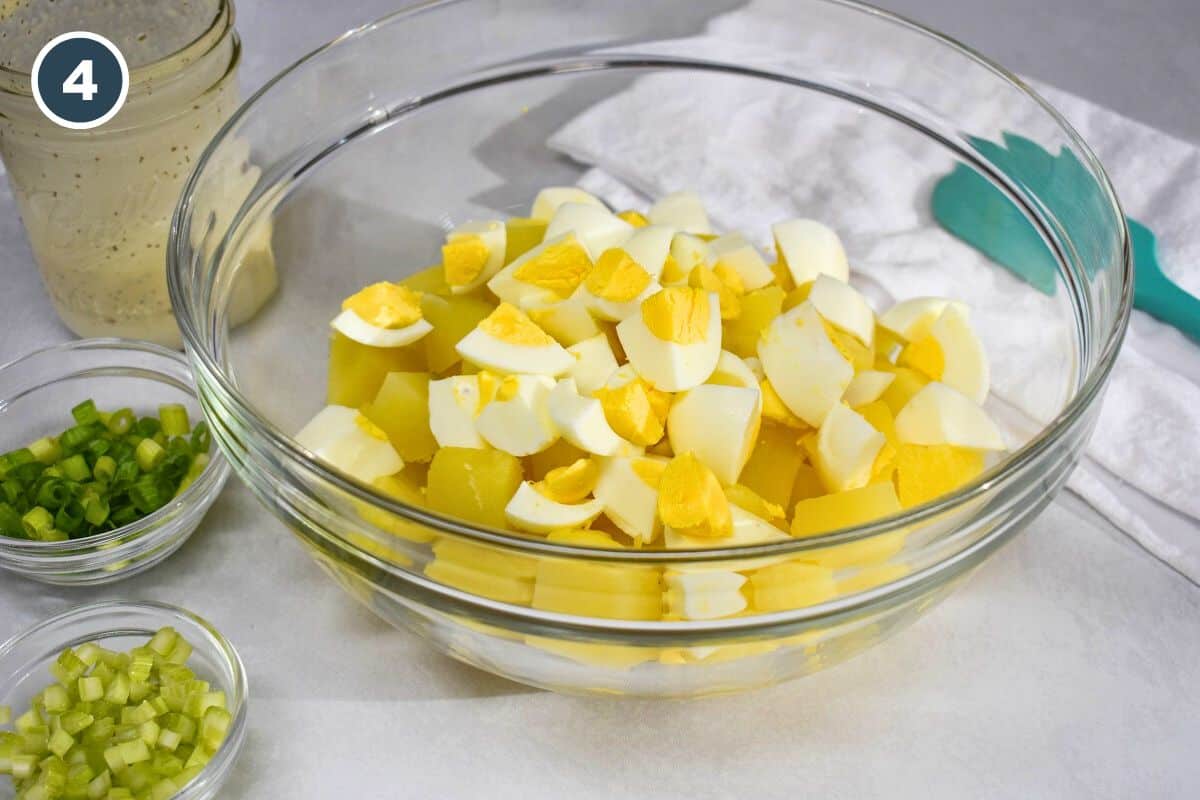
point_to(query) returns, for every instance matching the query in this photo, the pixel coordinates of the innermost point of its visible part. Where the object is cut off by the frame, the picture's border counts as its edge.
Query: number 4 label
(80, 81)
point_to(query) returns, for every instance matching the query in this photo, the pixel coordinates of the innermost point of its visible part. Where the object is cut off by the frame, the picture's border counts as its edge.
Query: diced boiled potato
(401, 410)
(831, 512)
(864, 552)
(452, 318)
(356, 371)
(870, 577)
(473, 484)
(523, 234)
(924, 472)
(759, 307)
(807, 484)
(486, 571)
(611, 591)
(792, 584)
(774, 461)
(431, 280)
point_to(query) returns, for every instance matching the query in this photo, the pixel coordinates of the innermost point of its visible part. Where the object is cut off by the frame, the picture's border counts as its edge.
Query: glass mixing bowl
(372, 147)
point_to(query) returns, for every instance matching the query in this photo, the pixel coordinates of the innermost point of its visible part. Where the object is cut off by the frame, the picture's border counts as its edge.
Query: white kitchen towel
(1142, 468)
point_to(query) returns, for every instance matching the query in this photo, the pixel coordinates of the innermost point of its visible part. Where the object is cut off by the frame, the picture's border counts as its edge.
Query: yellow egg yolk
(560, 268)
(783, 276)
(463, 258)
(854, 351)
(634, 412)
(925, 356)
(634, 218)
(774, 409)
(672, 272)
(509, 324)
(570, 484)
(649, 471)
(385, 305)
(678, 314)
(509, 386)
(370, 428)
(691, 500)
(706, 278)
(617, 277)
(747, 499)
(489, 385)
(797, 296)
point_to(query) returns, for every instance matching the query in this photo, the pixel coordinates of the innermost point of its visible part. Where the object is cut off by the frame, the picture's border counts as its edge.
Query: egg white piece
(703, 594)
(453, 404)
(505, 284)
(690, 252)
(568, 321)
(519, 425)
(807, 371)
(867, 387)
(733, 371)
(844, 306)
(616, 311)
(486, 350)
(912, 318)
(754, 364)
(965, 362)
(810, 249)
(717, 423)
(682, 210)
(847, 446)
(534, 512)
(736, 252)
(748, 529)
(549, 200)
(596, 228)
(348, 441)
(494, 235)
(667, 365)
(594, 363)
(649, 246)
(581, 420)
(352, 326)
(629, 501)
(940, 414)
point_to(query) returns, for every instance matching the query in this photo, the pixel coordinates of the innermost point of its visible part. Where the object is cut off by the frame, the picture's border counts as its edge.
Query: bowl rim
(218, 766)
(216, 470)
(1005, 473)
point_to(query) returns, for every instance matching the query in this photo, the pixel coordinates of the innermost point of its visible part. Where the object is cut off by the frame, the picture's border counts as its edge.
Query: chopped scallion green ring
(85, 412)
(174, 419)
(149, 453)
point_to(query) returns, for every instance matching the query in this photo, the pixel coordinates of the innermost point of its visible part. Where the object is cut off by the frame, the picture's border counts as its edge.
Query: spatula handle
(1160, 298)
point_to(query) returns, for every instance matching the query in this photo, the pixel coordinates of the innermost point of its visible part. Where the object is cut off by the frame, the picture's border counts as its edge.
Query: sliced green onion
(73, 439)
(10, 522)
(37, 521)
(95, 511)
(147, 427)
(75, 467)
(174, 419)
(149, 454)
(52, 493)
(46, 450)
(201, 437)
(105, 469)
(85, 413)
(121, 422)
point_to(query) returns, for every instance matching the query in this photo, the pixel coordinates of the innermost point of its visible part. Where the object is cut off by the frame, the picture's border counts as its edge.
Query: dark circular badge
(80, 80)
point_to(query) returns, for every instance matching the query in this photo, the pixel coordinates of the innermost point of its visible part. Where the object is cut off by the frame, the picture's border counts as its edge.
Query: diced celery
(60, 742)
(56, 699)
(91, 688)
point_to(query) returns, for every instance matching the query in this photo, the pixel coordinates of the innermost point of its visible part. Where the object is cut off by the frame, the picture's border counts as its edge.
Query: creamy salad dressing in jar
(97, 204)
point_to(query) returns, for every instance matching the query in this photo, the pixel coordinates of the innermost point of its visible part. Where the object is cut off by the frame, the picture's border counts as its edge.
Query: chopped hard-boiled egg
(617, 286)
(808, 249)
(719, 424)
(736, 252)
(549, 273)
(628, 487)
(517, 420)
(594, 363)
(347, 440)
(844, 306)
(748, 529)
(674, 341)
(911, 319)
(454, 403)
(681, 210)
(867, 387)
(940, 414)
(597, 229)
(733, 371)
(382, 315)
(473, 253)
(951, 353)
(581, 420)
(533, 511)
(847, 446)
(549, 200)
(635, 409)
(687, 253)
(568, 321)
(805, 369)
(509, 341)
(703, 594)
(691, 500)
(649, 247)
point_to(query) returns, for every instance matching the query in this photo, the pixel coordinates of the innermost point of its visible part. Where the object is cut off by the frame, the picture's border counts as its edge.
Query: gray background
(1068, 668)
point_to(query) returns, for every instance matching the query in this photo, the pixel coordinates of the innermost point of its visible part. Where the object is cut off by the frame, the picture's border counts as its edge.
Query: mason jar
(97, 203)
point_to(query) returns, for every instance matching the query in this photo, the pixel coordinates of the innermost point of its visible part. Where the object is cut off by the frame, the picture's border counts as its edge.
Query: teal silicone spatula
(967, 205)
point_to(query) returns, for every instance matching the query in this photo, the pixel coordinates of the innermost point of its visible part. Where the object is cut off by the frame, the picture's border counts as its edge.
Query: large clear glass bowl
(372, 147)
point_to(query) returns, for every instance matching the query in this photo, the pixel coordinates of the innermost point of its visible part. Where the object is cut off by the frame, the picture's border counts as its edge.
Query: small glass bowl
(25, 661)
(37, 392)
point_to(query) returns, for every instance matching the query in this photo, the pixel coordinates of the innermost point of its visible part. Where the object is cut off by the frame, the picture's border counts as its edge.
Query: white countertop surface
(1068, 667)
